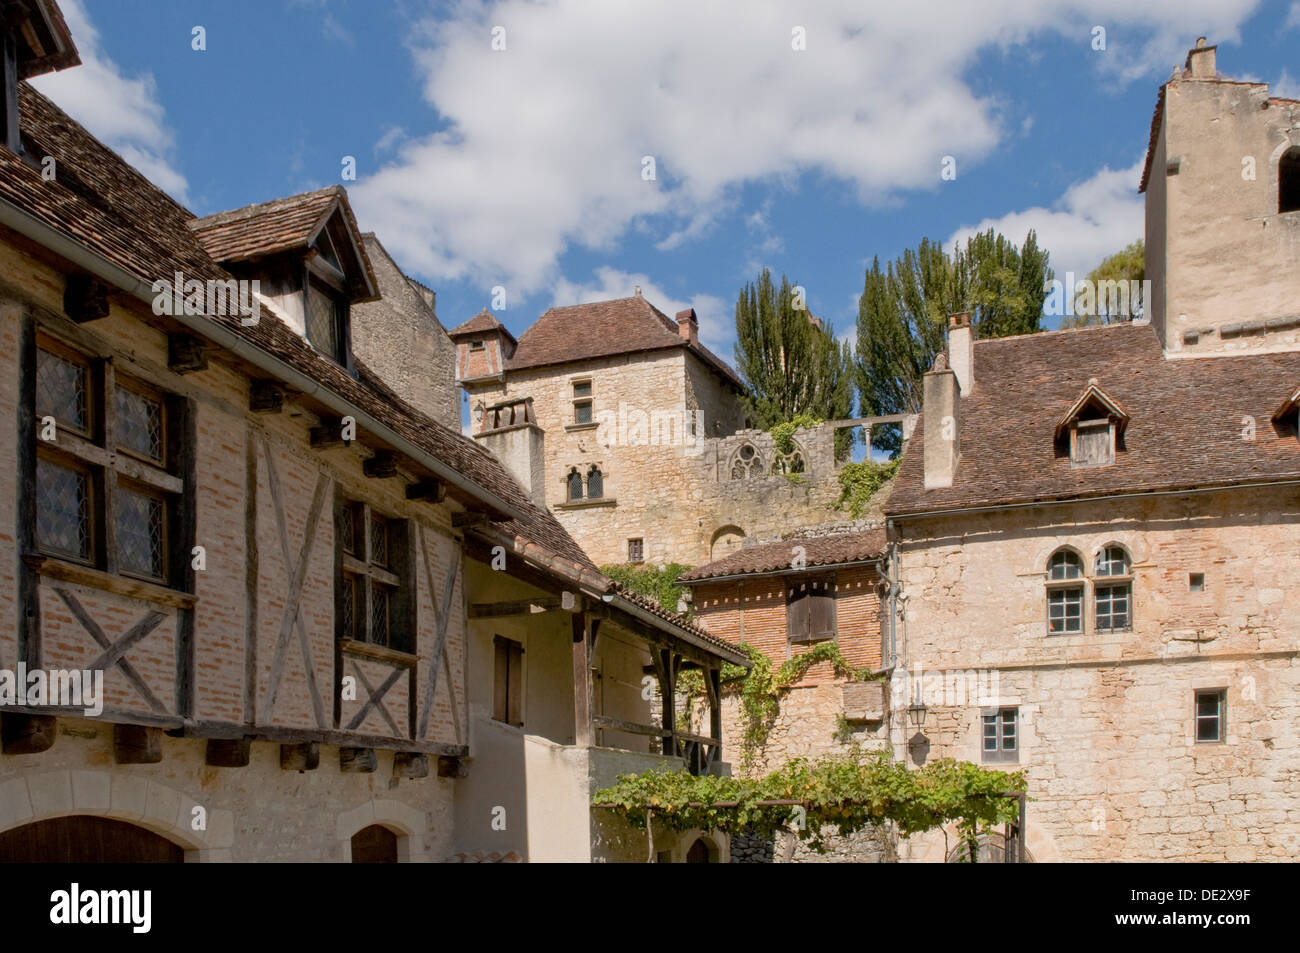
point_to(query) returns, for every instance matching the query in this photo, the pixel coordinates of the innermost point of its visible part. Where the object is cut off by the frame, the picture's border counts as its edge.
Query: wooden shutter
(796, 612)
(821, 621)
(515, 693)
(501, 679)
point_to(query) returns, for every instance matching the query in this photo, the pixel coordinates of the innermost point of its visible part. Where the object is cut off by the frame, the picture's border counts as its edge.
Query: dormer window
(326, 320)
(1091, 429)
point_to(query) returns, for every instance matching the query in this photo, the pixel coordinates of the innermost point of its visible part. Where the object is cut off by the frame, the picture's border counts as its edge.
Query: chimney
(1200, 61)
(509, 431)
(688, 327)
(961, 351)
(939, 396)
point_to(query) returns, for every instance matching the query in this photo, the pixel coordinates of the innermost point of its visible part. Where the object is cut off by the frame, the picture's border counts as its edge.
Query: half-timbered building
(327, 626)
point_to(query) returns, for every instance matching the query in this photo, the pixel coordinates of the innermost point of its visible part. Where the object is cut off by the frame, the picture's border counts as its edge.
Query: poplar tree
(790, 361)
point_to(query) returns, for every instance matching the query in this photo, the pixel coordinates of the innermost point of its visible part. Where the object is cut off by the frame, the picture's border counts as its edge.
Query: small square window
(999, 738)
(1196, 582)
(582, 411)
(476, 345)
(635, 550)
(582, 388)
(1211, 715)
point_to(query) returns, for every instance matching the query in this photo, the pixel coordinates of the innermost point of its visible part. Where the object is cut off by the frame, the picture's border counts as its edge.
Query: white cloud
(539, 147)
(1286, 87)
(1093, 219)
(716, 317)
(120, 110)
(1292, 17)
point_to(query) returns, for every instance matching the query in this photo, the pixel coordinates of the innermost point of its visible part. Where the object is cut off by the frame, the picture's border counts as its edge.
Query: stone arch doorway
(87, 839)
(726, 540)
(702, 852)
(375, 844)
(992, 850)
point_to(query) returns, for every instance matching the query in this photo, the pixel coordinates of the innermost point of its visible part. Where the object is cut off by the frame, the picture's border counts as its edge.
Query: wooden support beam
(85, 298)
(496, 610)
(137, 744)
(27, 734)
(328, 435)
(628, 727)
(410, 764)
(582, 734)
(381, 466)
(449, 767)
(428, 491)
(186, 353)
(265, 397)
(304, 756)
(358, 760)
(228, 752)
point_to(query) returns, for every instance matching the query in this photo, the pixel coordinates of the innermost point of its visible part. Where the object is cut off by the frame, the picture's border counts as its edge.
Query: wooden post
(666, 663)
(137, 744)
(582, 734)
(713, 682)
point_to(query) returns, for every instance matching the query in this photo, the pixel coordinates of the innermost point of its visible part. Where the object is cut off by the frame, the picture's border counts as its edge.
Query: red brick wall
(753, 610)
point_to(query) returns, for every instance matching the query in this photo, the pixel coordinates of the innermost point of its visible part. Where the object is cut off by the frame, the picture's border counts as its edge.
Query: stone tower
(1222, 184)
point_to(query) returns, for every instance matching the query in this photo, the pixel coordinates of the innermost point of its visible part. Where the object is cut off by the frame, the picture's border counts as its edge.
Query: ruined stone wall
(1106, 720)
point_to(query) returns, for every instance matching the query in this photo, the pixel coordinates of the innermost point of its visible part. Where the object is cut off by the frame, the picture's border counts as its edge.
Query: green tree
(904, 308)
(790, 361)
(1104, 300)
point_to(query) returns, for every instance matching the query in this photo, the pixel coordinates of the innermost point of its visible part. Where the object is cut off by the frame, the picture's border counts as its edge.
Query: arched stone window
(595, 483)
(574, 484)
(1113, 590)
(791, 462)
(1288, 181)
(1064, 593)
(746, 462)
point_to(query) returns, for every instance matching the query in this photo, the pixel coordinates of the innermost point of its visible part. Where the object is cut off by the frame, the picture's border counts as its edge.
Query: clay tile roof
(724, 648)
(603, 329)
(268, 227)
(1185, 425)
(482, 322)
(830, 550)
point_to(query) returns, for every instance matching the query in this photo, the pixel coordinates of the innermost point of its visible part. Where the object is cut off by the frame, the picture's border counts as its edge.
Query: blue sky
(522, 167)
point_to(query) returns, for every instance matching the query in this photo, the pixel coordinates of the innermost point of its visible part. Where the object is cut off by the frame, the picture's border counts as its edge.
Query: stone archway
(726, 540)
(87, 839)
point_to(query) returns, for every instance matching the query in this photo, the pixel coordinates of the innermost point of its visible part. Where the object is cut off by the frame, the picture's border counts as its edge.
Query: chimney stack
(942, 426)
(688, 326)
(961, 351)
(509, 432)
(1200, 61)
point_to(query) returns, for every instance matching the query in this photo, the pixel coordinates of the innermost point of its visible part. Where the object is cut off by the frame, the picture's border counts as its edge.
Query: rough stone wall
(258, 813)
(1230, 254)
(670, 488)
(400, 339)
(1106, 721)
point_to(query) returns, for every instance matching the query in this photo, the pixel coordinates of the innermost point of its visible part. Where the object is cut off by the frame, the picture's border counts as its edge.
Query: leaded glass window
(63, 389)
(139, 423)
(595, 483)
(141, 533)
(372, 603)
(63, 509)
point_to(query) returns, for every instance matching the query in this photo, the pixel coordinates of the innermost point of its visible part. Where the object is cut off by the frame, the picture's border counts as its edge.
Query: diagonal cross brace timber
(115, 651)
(443, 613)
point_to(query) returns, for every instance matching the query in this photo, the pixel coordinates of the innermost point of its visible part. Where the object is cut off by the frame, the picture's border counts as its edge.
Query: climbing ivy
(846, 793)
(783, 433)
(762, 688)
(657, 583)
(860, 481)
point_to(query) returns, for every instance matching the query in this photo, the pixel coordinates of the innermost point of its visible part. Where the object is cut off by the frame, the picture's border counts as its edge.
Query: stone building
(326, 625)
(642, 436)
(1096, 529)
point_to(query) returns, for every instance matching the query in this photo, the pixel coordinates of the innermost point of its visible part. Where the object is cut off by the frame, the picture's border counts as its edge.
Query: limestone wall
(1107, 727)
